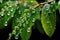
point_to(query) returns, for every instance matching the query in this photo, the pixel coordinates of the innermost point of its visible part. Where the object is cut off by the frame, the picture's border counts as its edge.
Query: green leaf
(26, 33)
(24, 19)
(48, 19)
(7, 12)
(39, 26)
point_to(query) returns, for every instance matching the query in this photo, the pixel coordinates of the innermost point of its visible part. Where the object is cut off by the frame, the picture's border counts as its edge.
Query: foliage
(24, 15)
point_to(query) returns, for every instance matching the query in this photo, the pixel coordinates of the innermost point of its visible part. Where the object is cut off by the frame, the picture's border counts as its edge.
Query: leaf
(39, 26)
(7, 12)
(48, 19)
(23, 21)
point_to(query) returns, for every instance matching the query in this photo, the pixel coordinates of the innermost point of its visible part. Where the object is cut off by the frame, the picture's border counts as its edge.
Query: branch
(37, 5)
(40, 4)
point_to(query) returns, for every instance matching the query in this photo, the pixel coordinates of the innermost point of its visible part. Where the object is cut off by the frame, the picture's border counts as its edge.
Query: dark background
(36, 35)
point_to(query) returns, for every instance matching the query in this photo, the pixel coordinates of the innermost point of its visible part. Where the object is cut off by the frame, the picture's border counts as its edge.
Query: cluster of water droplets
(24, 18)
(6, 12)
(21, 18)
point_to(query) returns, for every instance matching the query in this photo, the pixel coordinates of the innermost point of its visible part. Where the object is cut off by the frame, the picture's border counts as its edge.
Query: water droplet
(33, 11)
(7, 3)
(40, 9)
(10, 6)
(8, 14)
(48, 21)
(14, 32)
(10, 35)
(2, 14)
(5, 24)
(22, 20)
(59, 3)
(25, 10)
(31, 1)
(20, 17)
(33, 20)
(3, 9)
(17, 7)
(47, 6)
(16, 37)
(25, 4)
(20, 24)
(25, 18)
(16, 27)
(28, 30)
(5, 21)
(20, 30)
(28, 15)
(26, 22)
(12, 9)
(12, 16)
(19, 12)
(5, 6)
(17, 19)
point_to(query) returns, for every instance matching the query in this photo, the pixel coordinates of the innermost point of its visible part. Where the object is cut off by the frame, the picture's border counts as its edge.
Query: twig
(37, 5)
(42, 4)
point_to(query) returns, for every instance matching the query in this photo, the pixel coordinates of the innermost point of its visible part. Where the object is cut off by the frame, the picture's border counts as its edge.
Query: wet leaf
(7, 12)
(48, 19)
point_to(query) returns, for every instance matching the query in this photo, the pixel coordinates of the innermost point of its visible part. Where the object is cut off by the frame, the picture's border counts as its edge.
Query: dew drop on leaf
(47, 6)
(26, 22)
(8, 14)
(10, 35)
(14, 32)
(2, 14)
(16, 37)
(33, 20)
(31, 1)
(25, 4)
(20, 30)
(20, 24)
(19, 12)
(3, 9)
(5, 21)
(5, 6)
(59, 3)
(48, 21)
(10, 6)
(28, 30)
(33, 11)
(5, 24)
(11, 9)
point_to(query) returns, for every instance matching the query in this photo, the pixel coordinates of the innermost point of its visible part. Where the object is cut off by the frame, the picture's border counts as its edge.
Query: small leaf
(48, 19)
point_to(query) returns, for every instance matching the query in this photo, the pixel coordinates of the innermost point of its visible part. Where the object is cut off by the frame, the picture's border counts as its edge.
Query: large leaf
(48, 19)
(24, 19)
